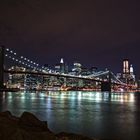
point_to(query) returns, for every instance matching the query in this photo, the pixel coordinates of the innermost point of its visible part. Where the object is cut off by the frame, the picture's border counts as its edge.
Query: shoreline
(29, 127)
(44, 90)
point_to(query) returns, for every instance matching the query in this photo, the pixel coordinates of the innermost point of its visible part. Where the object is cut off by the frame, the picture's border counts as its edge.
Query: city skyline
(29, 73)
(74, 65)
(12, 57)
(94, 33)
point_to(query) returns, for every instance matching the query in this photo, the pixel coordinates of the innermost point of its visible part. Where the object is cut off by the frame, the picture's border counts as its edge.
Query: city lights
(78, 78)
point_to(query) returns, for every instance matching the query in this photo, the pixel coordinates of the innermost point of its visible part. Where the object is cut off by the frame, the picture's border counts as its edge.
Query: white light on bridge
(7, 49)
(14, 53)
(21, 57)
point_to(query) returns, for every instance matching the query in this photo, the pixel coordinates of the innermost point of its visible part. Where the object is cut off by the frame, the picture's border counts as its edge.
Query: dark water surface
(95, 114)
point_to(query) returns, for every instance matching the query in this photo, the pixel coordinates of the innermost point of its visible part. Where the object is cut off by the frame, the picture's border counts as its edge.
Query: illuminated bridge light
(21, 57)
(6, 55)
(7, 49)
(14, 53)
(11, 51)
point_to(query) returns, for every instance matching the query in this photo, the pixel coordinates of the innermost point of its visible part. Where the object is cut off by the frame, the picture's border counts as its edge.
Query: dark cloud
(94, 32)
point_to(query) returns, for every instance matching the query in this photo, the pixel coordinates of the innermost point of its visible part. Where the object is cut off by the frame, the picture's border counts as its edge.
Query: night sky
(93, 32)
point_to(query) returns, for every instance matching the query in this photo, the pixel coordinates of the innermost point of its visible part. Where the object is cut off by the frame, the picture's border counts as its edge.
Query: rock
(29, 127)
(71, 136)
(22, 134)
(8, 125)
(30, 122)
(6, 114)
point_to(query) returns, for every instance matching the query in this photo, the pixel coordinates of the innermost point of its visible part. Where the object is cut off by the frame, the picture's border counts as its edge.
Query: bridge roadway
(59, 75)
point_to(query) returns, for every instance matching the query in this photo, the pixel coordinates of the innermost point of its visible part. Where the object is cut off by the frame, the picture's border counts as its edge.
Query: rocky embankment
(28, 127)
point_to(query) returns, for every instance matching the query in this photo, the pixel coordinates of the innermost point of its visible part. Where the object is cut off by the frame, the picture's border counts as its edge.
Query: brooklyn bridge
(27, 74)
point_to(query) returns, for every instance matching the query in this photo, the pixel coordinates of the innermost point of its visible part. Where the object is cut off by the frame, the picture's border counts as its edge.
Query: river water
(95, 114)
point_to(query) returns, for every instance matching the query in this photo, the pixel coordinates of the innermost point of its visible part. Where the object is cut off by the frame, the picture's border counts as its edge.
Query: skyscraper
(132, 76)
(126, 73)
(62, 66)
(131, 69)
(62, 61)
(125, 66)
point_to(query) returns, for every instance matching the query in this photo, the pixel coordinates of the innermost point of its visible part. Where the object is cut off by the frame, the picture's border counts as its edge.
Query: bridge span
(106, 79)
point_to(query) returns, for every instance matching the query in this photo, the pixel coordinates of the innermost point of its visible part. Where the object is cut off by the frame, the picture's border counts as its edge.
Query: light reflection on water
(102, 115)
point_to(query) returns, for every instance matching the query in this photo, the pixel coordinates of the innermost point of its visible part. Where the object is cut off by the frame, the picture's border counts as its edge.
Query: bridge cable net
(103, 73)
(21, 60)
(99, 74)
(118, 81)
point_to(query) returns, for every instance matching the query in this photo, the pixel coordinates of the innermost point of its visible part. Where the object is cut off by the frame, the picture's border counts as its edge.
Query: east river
(94, 114)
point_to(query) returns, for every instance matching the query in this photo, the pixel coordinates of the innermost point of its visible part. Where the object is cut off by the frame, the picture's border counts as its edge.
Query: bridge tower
(1, 66)
(106, 85)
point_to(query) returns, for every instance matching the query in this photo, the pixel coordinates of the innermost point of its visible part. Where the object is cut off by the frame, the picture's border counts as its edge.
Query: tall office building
(62, 66)
(131, 69)
(132, 76)
(125, 66)
(126, 73)
(62, 61)
(77, 68)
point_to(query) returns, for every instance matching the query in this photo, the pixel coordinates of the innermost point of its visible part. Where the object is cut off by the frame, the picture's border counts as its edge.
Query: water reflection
(103, 115)
(25, 100)
(95, 96)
